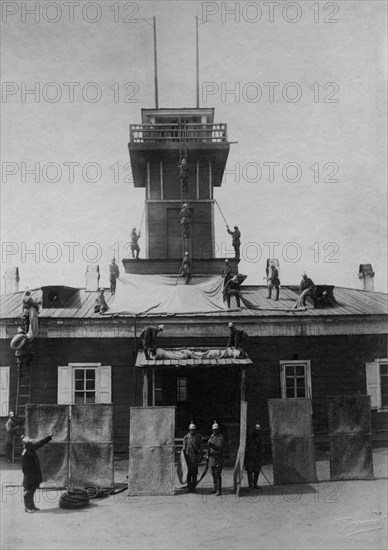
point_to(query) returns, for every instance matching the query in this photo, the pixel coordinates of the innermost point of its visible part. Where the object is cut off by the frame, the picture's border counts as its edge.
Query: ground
(324, 515)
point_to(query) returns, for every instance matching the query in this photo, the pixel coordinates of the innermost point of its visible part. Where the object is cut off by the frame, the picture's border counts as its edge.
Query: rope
(226, 223)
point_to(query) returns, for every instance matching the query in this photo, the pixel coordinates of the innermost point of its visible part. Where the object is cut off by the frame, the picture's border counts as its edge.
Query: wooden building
(82, 356)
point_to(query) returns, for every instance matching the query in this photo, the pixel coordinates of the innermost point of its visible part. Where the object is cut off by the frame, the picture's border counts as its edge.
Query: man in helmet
(31, 469)
(232, 288)
(236, 242)
(24, 354)
(148, 338)
(183, 174)
(215, 457)
(114, 274)
(185, 215)
(28, 303)
(254, 452)
(11, 429)
(226, 272)
(186, 268)
(237, 339)
(192, 449)
(135, 249)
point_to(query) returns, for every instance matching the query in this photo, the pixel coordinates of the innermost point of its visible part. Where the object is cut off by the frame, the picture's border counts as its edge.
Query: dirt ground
(324, 515)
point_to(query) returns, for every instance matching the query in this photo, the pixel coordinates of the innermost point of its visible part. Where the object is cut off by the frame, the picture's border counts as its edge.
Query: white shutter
(65, 394)
(4, 391)
(373, 384)
(104, 385)
(283, 380)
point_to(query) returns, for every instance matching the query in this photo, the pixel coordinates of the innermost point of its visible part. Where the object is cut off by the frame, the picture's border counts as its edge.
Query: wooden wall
(337, 367)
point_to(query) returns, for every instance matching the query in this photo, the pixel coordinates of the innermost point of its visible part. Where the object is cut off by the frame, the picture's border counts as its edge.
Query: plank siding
(337, 368)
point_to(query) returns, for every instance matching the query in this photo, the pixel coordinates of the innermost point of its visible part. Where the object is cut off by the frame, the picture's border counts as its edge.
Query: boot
(255, 479)
(250, 480)
(219, 487)
(269, 293)
(277, 295)
(238, 301)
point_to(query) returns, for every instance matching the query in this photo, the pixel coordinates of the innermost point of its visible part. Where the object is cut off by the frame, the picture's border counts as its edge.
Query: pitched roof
(350, 302)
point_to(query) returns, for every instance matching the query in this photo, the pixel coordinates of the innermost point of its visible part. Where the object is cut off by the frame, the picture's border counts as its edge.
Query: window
(84, 383)
(295, 379)
(4, 391)
(181, 388)
(377, 383)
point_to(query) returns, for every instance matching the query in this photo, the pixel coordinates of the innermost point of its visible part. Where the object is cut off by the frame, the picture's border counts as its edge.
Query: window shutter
(283, 380)
(373, 384)
(104, 386)
(65, 395)
(4, 391)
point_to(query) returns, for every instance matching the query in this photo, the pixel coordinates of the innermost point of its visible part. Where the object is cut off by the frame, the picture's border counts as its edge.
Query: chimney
(92, 277)
(366, 274)
(11, 280)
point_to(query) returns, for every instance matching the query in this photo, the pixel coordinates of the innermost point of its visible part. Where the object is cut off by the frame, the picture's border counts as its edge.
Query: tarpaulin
(151, 451)
(160, 294)
(228, 353)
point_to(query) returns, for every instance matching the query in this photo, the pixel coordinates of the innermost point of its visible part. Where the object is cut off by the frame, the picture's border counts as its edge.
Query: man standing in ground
(31, 469)
(114, 274)
(216, 458)
(192, 449)
(254, 456)
(148, 337)
(11, 429)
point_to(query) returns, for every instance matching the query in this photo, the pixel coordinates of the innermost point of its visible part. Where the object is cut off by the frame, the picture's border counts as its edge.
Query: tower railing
(171, 133)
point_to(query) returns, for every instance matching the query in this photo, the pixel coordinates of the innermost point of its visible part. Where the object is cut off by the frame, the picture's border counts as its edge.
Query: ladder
(23, 397)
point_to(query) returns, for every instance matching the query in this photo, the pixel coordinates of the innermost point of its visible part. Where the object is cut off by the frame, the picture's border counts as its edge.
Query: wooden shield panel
(151, 451)
(350, 438)
(41, 420)
(91, 447)
(292, 440)
(239, 465)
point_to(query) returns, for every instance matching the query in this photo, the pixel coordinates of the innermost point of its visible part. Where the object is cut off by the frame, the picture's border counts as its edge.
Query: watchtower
(157, 148)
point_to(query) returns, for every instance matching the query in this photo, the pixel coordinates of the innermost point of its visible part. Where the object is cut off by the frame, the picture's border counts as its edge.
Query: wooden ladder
(23, 398)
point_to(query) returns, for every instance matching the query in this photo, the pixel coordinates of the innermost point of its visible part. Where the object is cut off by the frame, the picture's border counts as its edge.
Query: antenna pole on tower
(155, 66)
(197, 48)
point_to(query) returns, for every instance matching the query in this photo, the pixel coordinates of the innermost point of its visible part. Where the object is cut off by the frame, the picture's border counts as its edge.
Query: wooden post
(153, 387)
(161, 180)
(197, 179)
(145, 388)
(242, 391)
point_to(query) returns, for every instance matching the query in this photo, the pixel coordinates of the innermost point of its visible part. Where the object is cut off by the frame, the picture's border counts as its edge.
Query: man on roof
(148, 338)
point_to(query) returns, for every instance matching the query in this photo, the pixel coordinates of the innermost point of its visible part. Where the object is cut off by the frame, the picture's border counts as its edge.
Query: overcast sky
(322, 120)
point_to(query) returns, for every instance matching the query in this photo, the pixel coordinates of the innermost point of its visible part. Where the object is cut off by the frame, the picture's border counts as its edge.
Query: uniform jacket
(274, 278)
(236, 337)
(28, 303)
(149, 336)
(306, 283)
(192, 448)
(216, 450)
(30, 464)
(26, 349)
(11, 428)
(235, 236)
(114, 272)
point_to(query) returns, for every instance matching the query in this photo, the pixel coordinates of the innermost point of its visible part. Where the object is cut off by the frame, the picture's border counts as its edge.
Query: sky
(301, 86)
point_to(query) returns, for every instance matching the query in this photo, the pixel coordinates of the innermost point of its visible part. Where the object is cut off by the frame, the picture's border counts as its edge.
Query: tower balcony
(175, 135)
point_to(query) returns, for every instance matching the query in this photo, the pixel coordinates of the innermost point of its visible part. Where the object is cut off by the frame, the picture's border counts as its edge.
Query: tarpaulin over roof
(163, 294)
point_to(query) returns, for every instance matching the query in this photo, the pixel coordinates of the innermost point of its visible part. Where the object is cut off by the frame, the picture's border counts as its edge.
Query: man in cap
(226, 272)
(114, 274)
(135, 249)
(31, 469)
(148, 338)
(11, 429)
(232, 288)
(215, 457)
(254, 452)
(186, 268)
(237, 339)
(236, 242)
(192, 449)
(24, 353)
(274, 282)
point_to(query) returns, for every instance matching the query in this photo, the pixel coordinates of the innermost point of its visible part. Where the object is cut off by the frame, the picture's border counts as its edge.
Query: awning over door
(194, 358)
